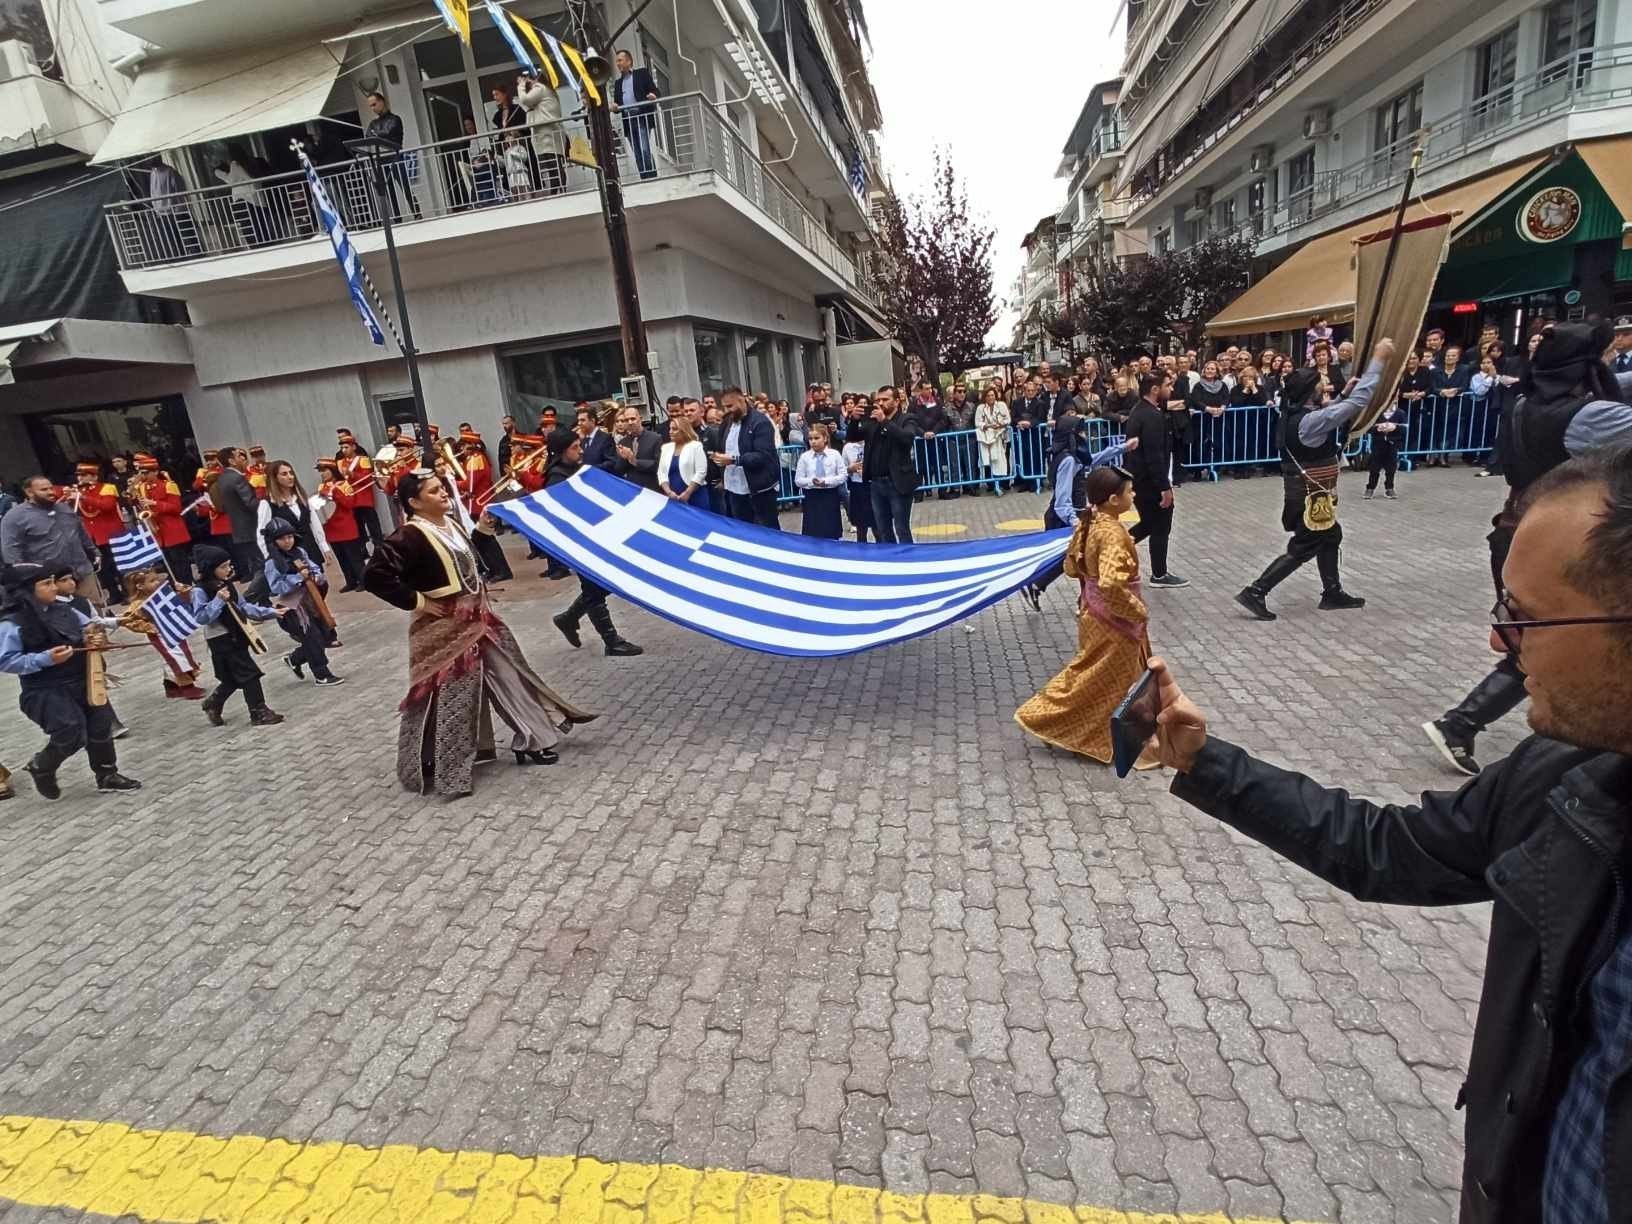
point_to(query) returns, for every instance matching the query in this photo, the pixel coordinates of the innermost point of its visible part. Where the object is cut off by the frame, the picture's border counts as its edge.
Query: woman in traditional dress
(992, 432)
(463, 660)
(1073, 710)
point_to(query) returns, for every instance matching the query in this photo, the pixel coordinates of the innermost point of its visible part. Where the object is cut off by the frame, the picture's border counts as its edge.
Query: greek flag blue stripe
(136, 549)
(776, 593)
(344, 253)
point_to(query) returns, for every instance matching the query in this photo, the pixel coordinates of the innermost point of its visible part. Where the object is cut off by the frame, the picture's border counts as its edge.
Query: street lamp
(377, 151)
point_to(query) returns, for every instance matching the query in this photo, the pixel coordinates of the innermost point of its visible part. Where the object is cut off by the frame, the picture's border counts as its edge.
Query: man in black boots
(566, 455)
(1311, 457)
(1570, 405)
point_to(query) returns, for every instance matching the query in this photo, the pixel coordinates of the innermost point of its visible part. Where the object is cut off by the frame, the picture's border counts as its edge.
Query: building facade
(748, 220)
(1294, 122)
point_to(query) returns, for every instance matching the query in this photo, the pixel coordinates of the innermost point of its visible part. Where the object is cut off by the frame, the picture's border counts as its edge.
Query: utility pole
(378, 151)
(631, 324)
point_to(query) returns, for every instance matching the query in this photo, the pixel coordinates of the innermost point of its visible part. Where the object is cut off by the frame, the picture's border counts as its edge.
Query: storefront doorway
(157, 427)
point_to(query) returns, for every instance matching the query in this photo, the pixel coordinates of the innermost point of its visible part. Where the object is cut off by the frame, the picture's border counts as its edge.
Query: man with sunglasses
(1545, 834)
(1571, 405)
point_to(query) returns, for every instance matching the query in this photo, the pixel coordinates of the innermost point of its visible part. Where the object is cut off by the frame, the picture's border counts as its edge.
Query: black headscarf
(275, 531)
(1299, 386)
(207, 558)
(1570, 360)
(41, 626)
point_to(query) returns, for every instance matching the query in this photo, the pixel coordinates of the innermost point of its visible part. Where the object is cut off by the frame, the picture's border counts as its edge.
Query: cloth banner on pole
(1422, 246)
(768, 590)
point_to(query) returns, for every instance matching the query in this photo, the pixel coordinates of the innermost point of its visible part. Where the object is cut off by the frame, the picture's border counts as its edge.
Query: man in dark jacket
(890, 434)
(566, 455)
(638, 449)
(633, 93)
(1060, 400)
(1545, 835)
(239, 499)
(751, 466)
(387, 126)
(1150, 465)
(597, 448)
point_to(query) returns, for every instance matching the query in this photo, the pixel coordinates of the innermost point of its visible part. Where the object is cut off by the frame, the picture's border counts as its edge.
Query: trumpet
(450, 456)
(511, 481)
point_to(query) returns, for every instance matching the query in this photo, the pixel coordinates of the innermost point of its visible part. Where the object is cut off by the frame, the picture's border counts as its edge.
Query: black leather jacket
(1544, 835)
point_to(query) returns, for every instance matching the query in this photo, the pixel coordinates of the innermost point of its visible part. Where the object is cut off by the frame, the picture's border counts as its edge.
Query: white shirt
(736, 480)
(854, 452)
(263, 520)
(826, 466)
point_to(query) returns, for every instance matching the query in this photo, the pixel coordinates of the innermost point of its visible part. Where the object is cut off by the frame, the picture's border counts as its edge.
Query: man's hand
(1167, 499)
(60, 655)
(1383, 351)
(627, 455)
(1131, 445)
(721, 459)
(1181, 727)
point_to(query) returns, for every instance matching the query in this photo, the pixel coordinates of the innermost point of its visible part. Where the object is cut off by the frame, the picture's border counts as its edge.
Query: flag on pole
(501, 22)
(557, 53)
(457, 14)
(171, 615)
(545, 60)
(351, 266)
(858, 173)
(136, 550)
(769, 591)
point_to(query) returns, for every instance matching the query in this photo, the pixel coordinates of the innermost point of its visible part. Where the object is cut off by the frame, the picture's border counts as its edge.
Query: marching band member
(205, 506)
(255, 473)
(42, 642)
(340, 523)
(358, 471)
(158, 502)
(99, 511)
(180, 668)
(476, 490)
(463, 660)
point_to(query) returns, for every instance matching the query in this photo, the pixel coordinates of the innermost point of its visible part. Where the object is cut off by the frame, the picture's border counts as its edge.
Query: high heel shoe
(545, 757)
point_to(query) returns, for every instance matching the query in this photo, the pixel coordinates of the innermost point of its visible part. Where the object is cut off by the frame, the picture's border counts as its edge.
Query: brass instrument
(450, 456)
(511, 481)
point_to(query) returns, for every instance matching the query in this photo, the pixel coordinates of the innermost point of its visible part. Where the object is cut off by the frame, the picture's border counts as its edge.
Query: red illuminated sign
(1465, 308)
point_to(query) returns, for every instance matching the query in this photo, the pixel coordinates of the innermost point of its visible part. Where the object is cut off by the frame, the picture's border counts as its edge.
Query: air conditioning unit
(1317, 123)
(1263, 157)
(1204, 199)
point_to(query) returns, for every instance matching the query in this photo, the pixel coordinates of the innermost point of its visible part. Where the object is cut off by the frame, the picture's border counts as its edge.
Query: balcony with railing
(466, 177)
(1591, 79)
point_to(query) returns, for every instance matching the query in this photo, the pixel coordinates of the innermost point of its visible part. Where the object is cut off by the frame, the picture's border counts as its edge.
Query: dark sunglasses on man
(1510, 626)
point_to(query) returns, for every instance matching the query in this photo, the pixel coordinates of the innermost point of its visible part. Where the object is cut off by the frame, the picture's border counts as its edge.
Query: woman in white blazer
(543, 107)
(682, 466)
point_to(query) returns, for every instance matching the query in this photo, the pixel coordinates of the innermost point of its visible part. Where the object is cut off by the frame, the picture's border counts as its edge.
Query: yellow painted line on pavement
(1035, 524)
(929, 530)
(179, 1177)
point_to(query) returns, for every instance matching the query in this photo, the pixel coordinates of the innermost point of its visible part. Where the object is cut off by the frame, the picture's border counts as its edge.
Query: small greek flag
(170, 613)
(351, 267)
(136, 550)
(501, 21)
(858, 173)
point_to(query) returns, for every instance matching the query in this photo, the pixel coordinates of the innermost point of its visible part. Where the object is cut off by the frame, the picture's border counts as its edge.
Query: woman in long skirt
(821, 477)
(1073, 710)
(992, 433)
(464, 663)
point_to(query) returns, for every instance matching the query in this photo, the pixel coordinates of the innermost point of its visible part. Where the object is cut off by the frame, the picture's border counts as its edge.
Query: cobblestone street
(834, 922)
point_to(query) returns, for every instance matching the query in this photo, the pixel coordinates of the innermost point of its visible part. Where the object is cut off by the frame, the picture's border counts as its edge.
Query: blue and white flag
(778, 593)
(858, 173)
(136, 550)
(171, 615)
(351, 266)
(501, 22)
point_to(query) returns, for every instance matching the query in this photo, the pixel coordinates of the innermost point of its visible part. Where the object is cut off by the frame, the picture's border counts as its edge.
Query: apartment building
(748, 223)
(1294, 121)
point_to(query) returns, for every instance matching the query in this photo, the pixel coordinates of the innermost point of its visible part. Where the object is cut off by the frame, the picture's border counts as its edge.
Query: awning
(1610, 161)
(186, 101)
(88, 343)
(385, 23)
(1319, 277)
(7, 348)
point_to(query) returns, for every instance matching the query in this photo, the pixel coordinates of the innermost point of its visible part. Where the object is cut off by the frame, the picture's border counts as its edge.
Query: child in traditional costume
(227, 617)
(1073, 710)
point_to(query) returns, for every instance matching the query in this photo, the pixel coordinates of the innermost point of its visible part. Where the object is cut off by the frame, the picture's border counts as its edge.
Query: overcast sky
(1000, 85)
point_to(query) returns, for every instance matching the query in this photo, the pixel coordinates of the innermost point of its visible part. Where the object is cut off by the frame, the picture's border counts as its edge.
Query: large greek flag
(779, 593)
(351, 266)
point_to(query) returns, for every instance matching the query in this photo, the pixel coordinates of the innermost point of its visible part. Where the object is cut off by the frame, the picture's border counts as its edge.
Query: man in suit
(637, 450)
(748, 459)
(241, 504)
(890, 434)
(597, 447)
(387, 126)
(1059, 399)
(632, 95)
(1621, 360)
(1151, 466)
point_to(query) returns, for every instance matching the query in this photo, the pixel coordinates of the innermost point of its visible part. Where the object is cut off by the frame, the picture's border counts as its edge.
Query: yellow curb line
(179, 1177)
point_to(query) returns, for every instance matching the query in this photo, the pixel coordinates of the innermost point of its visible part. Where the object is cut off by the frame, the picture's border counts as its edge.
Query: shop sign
(1549, 215)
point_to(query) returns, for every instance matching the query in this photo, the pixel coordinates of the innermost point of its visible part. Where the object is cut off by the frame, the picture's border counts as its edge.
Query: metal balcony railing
(467, 175)
(1590, 79)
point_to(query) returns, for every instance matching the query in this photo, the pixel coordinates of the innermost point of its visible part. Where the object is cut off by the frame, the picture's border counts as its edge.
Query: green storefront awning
(1534, 271)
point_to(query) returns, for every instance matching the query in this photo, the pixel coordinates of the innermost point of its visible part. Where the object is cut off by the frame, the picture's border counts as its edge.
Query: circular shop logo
(1549, 215)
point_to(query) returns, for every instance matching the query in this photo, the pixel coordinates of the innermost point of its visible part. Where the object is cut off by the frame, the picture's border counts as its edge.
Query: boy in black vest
(40, 643)
(1311, 458)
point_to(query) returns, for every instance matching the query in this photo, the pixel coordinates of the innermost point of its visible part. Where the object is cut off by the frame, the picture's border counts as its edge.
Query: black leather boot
(567, 622)
(1255, 598)
(1333, 597)
(601, 618)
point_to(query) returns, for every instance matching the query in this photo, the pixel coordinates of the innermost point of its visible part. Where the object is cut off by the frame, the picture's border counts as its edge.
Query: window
(716, 359)
(1195, 229)
(1395, 123)
(759, 353)
(1164, 242)
(1224, 215)
(1496, 66)
(1300, 185)
(560, 376)
(1568, 27)
(1257, 202)
(815, 362)
(159, 427)
(398, 410)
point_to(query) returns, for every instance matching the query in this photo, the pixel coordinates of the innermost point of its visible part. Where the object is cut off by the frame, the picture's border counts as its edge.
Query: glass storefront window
(716, 359)
(560, 377)
(759, 350)
(158, 427)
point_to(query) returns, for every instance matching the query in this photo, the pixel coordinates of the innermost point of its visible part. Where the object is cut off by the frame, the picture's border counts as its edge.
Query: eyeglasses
(1510, 627)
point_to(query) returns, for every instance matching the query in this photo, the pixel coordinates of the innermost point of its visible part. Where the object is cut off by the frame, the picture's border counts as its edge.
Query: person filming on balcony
(387, 126)
(543, 107)
(632, 95)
